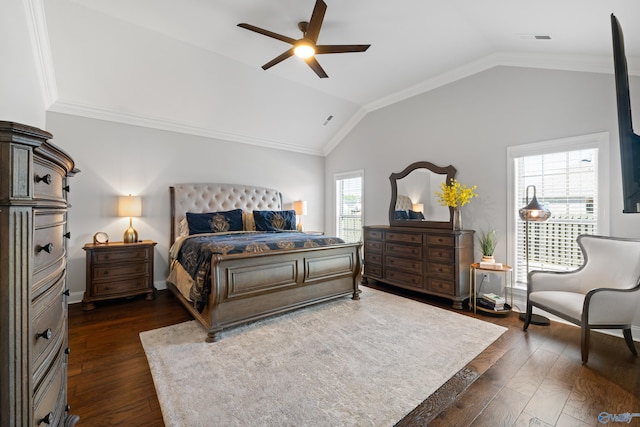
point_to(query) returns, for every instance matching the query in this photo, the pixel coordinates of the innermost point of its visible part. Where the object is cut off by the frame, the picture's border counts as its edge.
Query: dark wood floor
(523, 379)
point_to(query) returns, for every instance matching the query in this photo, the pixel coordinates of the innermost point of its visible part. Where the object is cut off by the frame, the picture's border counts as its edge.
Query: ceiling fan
(306, 47)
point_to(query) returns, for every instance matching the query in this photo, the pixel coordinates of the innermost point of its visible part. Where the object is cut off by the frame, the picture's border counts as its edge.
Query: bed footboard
(250, 287)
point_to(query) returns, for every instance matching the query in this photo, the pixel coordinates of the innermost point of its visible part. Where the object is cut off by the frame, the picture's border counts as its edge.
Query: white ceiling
(186, 66)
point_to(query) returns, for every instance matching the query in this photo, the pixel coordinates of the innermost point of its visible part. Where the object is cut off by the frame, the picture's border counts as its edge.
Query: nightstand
(117, 270)
(508, 288)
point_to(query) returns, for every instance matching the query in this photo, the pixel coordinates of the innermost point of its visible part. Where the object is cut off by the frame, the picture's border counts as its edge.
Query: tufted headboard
(403, 203)
(212, 197)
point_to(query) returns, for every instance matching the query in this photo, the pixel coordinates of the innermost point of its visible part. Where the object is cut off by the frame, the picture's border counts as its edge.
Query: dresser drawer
(437, 239)
(48, 328)
(127, 254)
(410, 265)
(49, 397)
(443, 270)
(372, 270)
(440, 253)
(402, 278)
(121, 287)
(441, 286)
(372, 258)
(372, 234)
(403, 237)
(118, 271)
(48, 239)
(404, 250)
(48, 180)
(372, 246)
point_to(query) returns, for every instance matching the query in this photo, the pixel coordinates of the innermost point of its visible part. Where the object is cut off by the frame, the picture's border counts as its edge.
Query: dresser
(116, 270)
(430, 261)
(33, 289)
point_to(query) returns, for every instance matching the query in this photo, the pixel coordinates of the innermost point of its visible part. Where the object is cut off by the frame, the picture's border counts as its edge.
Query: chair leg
(527, 318)
(584, 346)
(629, 340)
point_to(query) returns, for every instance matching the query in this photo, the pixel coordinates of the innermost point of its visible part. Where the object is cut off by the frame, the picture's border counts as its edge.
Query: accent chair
(604, 293)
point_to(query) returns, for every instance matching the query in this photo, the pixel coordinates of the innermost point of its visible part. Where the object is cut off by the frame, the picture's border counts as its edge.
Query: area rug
(339, 363)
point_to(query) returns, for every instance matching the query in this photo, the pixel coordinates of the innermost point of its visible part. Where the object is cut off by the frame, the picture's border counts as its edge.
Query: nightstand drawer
(119, 271)
(112, 256)
(121, 287)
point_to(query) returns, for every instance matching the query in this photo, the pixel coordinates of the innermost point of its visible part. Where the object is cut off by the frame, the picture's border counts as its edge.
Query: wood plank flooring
(523, 379)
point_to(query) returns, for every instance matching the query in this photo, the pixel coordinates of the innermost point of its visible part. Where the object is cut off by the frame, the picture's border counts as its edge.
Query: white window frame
(347, 175)
(596, 140)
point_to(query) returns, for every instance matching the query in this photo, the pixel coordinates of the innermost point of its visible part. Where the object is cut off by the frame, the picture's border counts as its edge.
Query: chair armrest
(607, 306)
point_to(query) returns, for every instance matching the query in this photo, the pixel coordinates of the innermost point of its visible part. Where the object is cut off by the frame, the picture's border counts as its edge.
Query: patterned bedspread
(196, 251)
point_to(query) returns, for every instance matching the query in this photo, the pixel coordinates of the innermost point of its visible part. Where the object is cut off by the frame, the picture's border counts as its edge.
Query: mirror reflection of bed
(414, 201)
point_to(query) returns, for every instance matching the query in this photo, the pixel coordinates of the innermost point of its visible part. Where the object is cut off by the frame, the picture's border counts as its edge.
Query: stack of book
(492, 301)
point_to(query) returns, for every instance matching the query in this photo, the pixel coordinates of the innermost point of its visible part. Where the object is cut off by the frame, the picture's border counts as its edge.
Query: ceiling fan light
(304, 49)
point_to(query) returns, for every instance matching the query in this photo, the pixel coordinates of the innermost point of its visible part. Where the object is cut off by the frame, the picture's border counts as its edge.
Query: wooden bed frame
(247, 287)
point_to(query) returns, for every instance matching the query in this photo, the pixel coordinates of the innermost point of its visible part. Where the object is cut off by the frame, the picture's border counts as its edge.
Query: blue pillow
(275, 220)
(400, 215)
(215, 222)
(415, 215)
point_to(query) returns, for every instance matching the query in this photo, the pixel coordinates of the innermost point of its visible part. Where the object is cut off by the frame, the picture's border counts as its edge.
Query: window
(349, 206)
(571, 178)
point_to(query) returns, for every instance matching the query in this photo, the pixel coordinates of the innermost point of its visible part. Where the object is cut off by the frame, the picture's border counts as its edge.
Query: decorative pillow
(275, 220)
(400, 215)
(215, 222)
(415, 215)
(184, 227)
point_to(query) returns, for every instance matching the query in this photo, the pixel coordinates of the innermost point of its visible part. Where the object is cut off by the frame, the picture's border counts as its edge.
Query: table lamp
(130, 206)
(300, 206)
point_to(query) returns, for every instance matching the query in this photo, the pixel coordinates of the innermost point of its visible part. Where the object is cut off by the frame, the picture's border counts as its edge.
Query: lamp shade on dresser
(33, 288)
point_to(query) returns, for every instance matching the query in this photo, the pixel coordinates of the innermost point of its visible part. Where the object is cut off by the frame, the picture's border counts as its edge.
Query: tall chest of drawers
(430, 261)
(33, 292)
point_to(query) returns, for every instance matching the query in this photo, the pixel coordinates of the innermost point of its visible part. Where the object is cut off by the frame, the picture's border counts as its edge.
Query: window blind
(349, 207)
(566, 184)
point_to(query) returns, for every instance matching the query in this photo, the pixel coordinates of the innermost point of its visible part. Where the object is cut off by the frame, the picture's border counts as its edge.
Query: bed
(247, 286)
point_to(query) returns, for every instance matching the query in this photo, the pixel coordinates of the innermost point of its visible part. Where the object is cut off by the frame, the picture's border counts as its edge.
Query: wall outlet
(485, 277)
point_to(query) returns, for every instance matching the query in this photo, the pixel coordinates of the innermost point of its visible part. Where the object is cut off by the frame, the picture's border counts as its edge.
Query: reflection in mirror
(413, 196)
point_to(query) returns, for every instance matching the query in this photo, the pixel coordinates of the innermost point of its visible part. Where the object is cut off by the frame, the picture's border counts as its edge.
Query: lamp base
(536, 319)
(130, 235)
(299, 227)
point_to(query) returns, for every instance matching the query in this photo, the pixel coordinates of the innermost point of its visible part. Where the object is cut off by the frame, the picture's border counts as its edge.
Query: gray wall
(117, 159)
(469, 124)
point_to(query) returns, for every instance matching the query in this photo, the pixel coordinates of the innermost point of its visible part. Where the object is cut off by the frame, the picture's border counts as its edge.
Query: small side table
(508, 287)
(117, 270)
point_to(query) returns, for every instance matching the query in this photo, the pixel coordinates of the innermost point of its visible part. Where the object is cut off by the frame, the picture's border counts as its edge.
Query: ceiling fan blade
(341, 48)
(315, 23)
(267, 33)
(278, 59)
(315, 66)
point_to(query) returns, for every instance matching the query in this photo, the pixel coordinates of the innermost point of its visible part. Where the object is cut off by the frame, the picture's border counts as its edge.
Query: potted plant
(488, 241)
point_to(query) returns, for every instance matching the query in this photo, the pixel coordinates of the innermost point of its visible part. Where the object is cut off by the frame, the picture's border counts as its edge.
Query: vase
(488, 258)
(457, 219)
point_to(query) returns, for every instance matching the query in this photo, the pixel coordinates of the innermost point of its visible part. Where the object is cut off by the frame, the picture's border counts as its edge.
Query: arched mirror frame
(450, 173)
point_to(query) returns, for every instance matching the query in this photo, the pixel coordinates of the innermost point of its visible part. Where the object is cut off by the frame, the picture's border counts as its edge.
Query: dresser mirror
(413, 196)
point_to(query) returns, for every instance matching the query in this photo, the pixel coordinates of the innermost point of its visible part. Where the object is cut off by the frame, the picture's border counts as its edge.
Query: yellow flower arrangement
(455, 194)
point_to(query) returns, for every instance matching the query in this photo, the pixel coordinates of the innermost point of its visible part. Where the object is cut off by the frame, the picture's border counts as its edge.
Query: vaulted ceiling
(186, 66)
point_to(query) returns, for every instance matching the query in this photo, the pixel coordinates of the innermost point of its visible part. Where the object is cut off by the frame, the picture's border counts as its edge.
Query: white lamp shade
(418, 207)
(300, 206)
(129, 206)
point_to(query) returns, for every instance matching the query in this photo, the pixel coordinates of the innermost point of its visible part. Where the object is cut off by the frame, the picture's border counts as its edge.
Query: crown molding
(112, 115)
(39, 34)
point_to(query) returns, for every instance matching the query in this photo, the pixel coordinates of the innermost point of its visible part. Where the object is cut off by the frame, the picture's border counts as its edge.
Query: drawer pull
(48, 248)
(67, 350)
(46, 179)
(67, 293)
(47, 334)
(66, 188)
(67, 235)
(47, 419)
